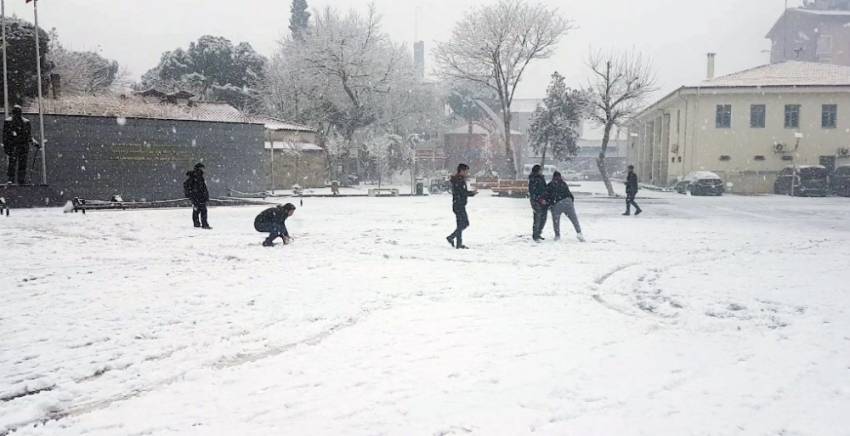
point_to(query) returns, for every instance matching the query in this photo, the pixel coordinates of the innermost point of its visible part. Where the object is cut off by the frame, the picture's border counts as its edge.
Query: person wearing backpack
(195, 189)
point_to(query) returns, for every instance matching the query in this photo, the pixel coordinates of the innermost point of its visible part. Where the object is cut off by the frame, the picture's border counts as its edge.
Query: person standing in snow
(539, 204)
(460, 194)
(631, 192)
(195, 189)
(273, 222)
(17, 138)
(562, 202)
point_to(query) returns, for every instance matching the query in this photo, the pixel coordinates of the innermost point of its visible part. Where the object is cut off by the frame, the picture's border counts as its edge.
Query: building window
(829, 116)
(758, 113)
(724, 116)
(792, 116)
(758, 157)
(725, 158)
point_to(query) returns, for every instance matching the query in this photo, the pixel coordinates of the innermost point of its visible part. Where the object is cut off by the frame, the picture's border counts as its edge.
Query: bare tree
(618, 88)
(494, 44)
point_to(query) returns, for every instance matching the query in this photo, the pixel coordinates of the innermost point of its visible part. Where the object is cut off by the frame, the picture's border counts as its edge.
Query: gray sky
(676, 34)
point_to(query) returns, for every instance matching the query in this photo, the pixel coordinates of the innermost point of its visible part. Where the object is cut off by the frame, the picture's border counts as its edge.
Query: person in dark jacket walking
(17, 138)
(631, 192)
(195, 189)
(562, 202)
(539, 204)
(460, 194)
(273, 222)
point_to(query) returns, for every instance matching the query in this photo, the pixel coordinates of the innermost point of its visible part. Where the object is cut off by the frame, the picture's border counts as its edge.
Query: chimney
(710, 67)
(419, 59)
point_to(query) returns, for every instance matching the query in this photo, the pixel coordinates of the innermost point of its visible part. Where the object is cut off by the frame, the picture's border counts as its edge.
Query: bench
(511, 188)
(383, 192)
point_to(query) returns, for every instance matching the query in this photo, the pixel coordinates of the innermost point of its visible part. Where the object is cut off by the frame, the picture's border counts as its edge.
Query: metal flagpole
(5, 67)
(40, 96)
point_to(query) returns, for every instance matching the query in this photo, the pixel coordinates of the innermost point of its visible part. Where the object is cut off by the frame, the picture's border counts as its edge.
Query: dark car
(701, 183)
(803, 181)
(840, 181)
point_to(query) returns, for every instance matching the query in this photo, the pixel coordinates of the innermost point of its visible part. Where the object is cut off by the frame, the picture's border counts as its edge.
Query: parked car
(840, 181)
(701, 183)
(803, 181)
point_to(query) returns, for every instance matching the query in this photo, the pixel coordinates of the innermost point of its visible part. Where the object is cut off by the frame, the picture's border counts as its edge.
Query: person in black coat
(631, 192)
(17, 138)
(195, 189)
(539, 203)
(460, 194)
(273, 222)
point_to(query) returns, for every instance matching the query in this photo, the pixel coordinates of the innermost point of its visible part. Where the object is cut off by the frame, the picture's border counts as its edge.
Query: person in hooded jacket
(539, 203)
(195, 189)
(273, 222)
(17, 139)
(562, 202)
(460, 194)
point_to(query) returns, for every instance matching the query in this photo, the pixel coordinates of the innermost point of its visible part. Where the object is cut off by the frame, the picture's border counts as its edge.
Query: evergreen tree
(554, 125)
(299, 21)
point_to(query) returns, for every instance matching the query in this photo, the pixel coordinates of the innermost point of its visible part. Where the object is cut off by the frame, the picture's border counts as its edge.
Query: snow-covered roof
(131, 107)
(292, 146)
(833, 12)
(476, 130)
(525, 105)
(791, 73)
(279, 125)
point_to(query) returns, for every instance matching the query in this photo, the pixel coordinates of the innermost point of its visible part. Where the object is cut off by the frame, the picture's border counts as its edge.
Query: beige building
(746, 126)
(293, 157)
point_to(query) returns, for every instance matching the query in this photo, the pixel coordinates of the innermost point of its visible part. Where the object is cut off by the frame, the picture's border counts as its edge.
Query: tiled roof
(790, 73)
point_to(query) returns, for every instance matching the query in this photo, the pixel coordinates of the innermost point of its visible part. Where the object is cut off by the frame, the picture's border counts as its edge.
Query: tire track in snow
(223, 363)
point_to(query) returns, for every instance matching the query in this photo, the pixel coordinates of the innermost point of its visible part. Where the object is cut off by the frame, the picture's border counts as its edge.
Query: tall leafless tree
(618, 88)
(494, 44)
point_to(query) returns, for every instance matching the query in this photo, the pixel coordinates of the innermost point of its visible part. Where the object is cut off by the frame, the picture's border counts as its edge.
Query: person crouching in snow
(562, 201)
(273, 222)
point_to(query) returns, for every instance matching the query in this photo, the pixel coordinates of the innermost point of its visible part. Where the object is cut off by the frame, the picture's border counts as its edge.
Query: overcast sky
(676, 34)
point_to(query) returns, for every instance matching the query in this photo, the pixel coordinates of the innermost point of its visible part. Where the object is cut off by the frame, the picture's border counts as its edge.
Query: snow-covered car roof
(804, 167)
(699, 175)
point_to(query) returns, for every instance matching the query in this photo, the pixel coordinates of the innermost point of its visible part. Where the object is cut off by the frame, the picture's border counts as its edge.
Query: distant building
(819, 33)
(482, 150)
(747, 126)
(292, 155)
(140, 146)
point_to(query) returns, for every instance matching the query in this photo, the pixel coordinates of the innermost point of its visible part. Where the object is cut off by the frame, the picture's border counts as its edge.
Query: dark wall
(143, 159)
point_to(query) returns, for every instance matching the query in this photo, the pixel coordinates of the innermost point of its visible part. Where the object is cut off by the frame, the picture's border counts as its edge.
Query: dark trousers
(630, 201)
(540, 214)
(18, 166)
(274, 230)
(199, 215)
(462, 220)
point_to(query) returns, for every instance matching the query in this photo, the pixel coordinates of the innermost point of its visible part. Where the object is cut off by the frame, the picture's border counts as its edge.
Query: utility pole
(5, 66)
(42, 141)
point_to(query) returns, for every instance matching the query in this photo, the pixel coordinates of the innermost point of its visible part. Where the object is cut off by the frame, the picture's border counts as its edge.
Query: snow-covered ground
(705, 316)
